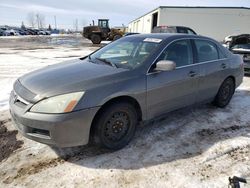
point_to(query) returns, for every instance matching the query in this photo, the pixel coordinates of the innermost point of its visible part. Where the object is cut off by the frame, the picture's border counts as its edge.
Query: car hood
(70, 76)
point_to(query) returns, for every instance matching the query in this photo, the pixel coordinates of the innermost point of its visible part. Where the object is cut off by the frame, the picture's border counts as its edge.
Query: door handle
(223, 65)
(192, 74)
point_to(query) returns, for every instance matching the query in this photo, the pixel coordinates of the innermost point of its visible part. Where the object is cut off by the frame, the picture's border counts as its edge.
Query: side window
(207, 51)
(179, 52)
(221, 54)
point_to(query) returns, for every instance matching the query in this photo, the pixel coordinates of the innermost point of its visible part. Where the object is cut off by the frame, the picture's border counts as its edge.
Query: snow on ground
(17, 61)
(194, 147)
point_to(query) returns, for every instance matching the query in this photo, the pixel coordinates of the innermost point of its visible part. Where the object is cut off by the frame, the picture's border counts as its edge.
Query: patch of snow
(15, 63)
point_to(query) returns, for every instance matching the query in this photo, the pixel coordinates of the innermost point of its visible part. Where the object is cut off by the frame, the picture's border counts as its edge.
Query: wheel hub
(117, 126)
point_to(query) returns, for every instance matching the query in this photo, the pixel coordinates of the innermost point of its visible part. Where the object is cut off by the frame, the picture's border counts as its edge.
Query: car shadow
(181, 134)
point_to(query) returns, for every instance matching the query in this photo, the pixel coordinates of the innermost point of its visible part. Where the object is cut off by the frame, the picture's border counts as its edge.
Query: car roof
(165, 36)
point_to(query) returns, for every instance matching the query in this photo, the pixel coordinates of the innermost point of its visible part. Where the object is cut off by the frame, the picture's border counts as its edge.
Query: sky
(14, 12)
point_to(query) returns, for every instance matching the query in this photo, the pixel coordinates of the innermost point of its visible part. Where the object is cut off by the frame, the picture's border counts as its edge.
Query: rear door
(170, 90)
(213, 67)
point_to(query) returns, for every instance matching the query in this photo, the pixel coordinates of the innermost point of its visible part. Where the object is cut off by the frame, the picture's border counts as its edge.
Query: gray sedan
(103, 97)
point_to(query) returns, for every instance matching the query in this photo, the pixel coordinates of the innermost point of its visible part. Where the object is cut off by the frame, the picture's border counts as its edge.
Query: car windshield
(127, 53)
(241, 46)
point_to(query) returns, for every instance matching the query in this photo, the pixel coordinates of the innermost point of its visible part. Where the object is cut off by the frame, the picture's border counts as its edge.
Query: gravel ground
(193, 147)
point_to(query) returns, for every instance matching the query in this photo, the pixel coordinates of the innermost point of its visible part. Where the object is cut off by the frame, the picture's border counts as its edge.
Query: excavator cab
(103, 23)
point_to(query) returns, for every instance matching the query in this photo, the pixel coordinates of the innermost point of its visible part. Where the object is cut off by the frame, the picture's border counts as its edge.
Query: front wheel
(116, 126)
(225, 93)
(96, 39)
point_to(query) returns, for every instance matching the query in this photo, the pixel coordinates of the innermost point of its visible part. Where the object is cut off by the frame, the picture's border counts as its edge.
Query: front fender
(134, 88)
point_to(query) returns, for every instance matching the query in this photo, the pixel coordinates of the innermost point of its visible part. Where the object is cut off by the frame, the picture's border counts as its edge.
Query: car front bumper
(61, 130)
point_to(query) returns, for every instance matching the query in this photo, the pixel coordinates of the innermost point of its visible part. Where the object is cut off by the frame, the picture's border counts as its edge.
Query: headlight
(58, 104)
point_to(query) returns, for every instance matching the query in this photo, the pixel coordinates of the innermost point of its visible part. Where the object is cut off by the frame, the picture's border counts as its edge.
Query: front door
(170, 90)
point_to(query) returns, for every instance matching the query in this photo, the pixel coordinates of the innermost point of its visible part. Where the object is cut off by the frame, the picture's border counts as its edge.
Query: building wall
(212, 22)
(142, 24)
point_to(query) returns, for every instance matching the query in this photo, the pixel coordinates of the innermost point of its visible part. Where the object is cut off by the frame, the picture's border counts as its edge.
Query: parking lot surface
(193, 147)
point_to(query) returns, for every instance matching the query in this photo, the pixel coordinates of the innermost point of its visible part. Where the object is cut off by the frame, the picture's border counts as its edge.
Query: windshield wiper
(107, 62)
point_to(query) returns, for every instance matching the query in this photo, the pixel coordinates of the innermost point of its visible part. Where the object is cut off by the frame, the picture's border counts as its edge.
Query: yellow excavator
(97, 33)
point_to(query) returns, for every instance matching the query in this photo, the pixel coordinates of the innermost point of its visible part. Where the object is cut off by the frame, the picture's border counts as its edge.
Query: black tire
(116, 37)
(115, 127)
(96, 39)
(225, 93)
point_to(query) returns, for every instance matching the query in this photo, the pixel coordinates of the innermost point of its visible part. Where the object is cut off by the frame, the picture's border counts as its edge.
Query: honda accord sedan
(101, 98)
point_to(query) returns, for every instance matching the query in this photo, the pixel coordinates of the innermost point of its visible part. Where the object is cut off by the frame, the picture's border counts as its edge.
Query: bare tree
(36, 20)
(40, 20)
(49, 28)
(22, 26)
(75, 24)
(31, 19)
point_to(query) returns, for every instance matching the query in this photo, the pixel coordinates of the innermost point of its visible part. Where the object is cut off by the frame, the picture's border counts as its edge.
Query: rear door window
(206, 51)
(221, 54)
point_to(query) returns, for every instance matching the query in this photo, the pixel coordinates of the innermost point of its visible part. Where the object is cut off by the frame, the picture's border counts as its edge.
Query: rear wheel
(96, 39)
(116, 126)
(225, 93)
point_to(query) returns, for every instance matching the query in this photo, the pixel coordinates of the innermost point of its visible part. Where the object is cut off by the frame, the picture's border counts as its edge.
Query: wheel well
(126, 99)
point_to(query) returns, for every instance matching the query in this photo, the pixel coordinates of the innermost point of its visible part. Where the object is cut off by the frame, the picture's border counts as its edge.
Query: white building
(215, 22)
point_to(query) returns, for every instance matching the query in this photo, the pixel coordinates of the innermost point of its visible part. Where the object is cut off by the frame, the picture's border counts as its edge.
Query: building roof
(210, 7)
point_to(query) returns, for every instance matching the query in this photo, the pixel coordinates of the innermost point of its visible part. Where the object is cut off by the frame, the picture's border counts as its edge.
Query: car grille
(23, 94)
(19, 101)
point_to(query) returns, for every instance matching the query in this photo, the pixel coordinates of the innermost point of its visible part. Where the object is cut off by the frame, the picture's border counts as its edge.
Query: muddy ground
(8, 141)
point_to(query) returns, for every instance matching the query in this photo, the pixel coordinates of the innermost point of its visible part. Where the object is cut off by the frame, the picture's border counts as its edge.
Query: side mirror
(165, 65)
